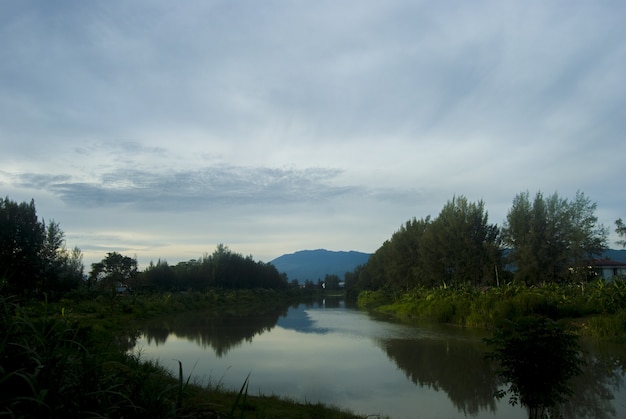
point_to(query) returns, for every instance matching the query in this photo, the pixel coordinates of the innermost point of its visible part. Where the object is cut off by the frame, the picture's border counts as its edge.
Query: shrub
(537, 358)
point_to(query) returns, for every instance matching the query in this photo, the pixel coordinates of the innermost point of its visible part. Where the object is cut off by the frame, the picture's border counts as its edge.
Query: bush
(537, 358)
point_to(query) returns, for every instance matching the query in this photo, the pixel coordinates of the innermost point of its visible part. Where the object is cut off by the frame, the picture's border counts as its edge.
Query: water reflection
(602, 378)
(298, 345)
(456, 367)
(220, 333)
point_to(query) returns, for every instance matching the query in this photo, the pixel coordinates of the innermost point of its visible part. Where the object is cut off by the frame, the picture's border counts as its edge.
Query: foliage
(21, 243)
(222, 269)
(547, 240)
(331, 282)
(58, 363)
(598, 306)
(538, 357)
(552, 238)
(620, 229)
(33, 257)
(48, 368)
(460, 245)
(115, 269)
(456, 247)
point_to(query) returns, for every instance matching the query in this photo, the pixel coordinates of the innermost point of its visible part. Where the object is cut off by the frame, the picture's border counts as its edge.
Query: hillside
(616, 255)
(315, 264)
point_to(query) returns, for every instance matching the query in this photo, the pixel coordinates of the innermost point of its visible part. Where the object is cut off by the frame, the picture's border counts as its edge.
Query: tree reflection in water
(456, 367)
(441, 361)
(220, 332)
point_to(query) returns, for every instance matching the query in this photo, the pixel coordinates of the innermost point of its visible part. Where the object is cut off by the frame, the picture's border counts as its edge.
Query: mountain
(616, 255)
(315, 264)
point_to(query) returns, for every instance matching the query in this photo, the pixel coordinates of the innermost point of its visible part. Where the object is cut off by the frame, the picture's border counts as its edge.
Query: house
(123, 289)
(607, 268)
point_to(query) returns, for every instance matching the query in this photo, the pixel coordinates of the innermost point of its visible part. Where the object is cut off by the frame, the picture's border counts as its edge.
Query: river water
(339, 355)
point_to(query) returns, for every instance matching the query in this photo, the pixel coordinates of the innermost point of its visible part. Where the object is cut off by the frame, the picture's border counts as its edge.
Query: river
(336, 354)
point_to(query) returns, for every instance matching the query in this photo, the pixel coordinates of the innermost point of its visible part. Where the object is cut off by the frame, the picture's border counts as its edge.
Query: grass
(68, 359)
(599, 307)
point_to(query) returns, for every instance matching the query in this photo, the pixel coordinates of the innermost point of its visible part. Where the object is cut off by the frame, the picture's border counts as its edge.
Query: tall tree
(33, 256)
(62, 270)
(113, 270)
(22, 238)
(460, 245)
(620, 229)
(552, 237)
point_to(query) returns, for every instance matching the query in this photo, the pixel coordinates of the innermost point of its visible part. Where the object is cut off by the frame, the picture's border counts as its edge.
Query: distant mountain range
(316, 264)
(616, 255)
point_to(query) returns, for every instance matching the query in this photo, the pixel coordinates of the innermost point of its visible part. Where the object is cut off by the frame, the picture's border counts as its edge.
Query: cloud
(287, 125)
(192, 190)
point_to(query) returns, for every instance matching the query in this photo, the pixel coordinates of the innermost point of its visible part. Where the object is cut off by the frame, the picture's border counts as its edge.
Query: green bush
(538, 358)
(489, 307)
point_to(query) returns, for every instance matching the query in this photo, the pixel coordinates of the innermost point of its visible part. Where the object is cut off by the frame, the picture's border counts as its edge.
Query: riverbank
(598, 309)
(71, 358)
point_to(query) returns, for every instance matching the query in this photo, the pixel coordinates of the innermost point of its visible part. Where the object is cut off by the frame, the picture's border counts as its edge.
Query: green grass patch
(602, 304)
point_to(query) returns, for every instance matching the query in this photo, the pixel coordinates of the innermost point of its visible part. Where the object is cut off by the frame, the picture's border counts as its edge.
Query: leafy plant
(537, 359)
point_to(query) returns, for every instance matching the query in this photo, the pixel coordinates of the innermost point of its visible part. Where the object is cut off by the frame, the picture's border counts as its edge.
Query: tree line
(221, 269)
(34, 260)
(543, 239)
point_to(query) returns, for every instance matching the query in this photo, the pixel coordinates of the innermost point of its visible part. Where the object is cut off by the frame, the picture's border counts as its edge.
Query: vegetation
(549, 240)
(70, 359)
(69, 356)
(537, 358)
(33, 257)
(620, 229)
(552, 239)
(222, 269)
(598, 308)
(458, 246)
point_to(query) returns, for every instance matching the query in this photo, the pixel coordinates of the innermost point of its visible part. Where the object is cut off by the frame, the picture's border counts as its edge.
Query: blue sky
(159, 129)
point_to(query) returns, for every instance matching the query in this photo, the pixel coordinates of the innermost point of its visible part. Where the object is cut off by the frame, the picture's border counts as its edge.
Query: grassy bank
(70, 359)
(599, 308)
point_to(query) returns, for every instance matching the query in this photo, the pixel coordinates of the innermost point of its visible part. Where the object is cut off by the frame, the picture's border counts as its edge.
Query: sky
(160, 129)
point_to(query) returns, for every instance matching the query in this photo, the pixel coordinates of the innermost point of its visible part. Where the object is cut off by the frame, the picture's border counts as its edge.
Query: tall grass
(59, 361)
(602, 305)
(50, 368)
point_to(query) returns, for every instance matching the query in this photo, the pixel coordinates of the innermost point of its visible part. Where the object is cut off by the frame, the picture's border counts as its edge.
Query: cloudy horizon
(159, 129)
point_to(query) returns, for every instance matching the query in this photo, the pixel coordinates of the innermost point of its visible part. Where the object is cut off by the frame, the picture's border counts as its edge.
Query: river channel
(329, 352)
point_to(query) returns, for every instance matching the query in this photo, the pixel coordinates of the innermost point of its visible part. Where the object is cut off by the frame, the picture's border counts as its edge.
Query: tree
(33, 256)
(460, 245)
(115, 269)
(620, 229)
(331, 282)
(456, 247)
(160, 276)
(21, 242)
(537, 358)
(62, 270)
(551, 237)
(404, 264)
